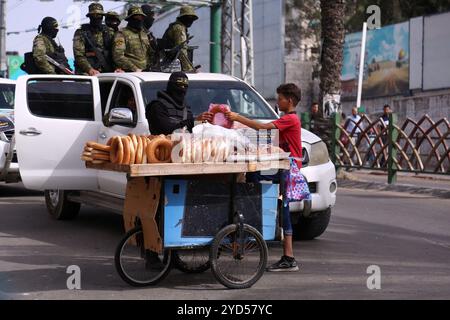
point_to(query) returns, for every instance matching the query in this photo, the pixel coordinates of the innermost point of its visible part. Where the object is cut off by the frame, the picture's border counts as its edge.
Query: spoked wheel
(238, 260)
(191, 260)
(137, 266)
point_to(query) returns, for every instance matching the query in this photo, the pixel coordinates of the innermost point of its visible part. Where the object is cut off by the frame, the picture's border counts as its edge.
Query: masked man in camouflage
(112, 20)
(44, 44)
(92, 44)
(177, 33)
(131, 48)
(148, 23)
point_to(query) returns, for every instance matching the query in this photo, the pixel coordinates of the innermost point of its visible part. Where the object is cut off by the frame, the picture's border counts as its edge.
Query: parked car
(56, 115)
(9, 170)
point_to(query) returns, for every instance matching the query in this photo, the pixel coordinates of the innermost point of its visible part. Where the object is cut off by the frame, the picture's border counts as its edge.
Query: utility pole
(3, 63)
(216, 25)
(237, 39)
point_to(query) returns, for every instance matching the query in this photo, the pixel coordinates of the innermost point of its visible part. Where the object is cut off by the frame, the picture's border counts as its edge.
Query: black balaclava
(148, 22)
(136, 23)
(149, 19)
(187, 21)
(96, 22)
(49, 27)
(177, 87)
(112, 22)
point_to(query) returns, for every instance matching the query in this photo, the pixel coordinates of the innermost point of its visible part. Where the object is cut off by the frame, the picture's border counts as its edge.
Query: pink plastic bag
(219, 115)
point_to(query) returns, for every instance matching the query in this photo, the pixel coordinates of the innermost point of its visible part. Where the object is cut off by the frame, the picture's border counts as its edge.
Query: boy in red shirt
(289, 95)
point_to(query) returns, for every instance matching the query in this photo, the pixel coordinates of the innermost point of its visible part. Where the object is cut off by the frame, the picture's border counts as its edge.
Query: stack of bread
(96, 153)
(199, 149)
(129, 150)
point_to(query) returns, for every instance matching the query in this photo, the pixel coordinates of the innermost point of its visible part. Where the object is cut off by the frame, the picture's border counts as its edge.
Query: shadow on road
(17, 190)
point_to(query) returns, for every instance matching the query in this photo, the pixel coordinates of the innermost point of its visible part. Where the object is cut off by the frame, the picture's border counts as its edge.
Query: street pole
(361, 64)
(215, 55)
(3, 65)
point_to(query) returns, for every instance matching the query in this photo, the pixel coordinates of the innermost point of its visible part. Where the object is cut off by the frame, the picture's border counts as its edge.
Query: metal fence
(414, 146)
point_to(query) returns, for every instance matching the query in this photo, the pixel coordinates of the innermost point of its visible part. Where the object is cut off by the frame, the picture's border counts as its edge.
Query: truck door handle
(103, 135)
(30, 132)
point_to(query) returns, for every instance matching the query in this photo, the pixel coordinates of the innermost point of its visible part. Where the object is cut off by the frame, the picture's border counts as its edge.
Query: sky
(22, 15)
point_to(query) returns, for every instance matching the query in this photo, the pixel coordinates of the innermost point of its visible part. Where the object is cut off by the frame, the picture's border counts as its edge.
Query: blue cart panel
(194, 210)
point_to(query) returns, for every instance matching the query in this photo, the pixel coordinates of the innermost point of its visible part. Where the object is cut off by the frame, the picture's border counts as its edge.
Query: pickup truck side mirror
(122, 116)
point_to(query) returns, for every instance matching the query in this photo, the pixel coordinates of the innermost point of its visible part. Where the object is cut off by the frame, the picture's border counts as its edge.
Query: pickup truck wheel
(312, 227)
(59, 207)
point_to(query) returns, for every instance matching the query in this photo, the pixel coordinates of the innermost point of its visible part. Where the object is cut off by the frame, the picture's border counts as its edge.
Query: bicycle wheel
(136, 265)
(234, 268)
(191, 260)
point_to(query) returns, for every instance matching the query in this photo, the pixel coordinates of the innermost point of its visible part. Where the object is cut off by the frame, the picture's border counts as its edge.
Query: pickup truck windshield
(201, 94)
(7, 96)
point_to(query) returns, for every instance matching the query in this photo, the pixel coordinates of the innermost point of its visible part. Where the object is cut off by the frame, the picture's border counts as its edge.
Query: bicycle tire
(188, 265)
(216, 254)
(119, 259)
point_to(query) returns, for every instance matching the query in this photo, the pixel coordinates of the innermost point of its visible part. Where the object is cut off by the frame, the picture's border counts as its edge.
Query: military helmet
(112, 14)
(134, 11)
(95, 8)
(187, 11)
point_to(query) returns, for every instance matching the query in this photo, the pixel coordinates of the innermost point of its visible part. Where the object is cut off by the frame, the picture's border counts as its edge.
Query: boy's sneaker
(286, 264)
(153, 262)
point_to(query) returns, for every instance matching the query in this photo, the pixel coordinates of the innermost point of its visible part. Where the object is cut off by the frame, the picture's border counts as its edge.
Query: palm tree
(333, 34)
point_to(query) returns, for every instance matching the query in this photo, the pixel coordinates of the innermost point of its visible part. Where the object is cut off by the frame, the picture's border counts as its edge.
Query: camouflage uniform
(43, 45)
(176, 34)
(85, 56)
(131, 47)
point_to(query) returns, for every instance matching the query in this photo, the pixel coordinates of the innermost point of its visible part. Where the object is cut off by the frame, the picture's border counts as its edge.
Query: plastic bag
(296, 186)
(219, 118)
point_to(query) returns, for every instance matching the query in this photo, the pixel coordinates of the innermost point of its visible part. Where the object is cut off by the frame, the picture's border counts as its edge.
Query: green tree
(392, 11)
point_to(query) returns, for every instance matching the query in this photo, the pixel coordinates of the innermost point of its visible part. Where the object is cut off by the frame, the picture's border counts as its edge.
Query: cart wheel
(191, 260)
(234, 268)
(137, 266)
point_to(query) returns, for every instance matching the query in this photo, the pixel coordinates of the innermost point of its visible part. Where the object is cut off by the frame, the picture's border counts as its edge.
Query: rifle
(171, 55)
(58, 65)
(98, 53)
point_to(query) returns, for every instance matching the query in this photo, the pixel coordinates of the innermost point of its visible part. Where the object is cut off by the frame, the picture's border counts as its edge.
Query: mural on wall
(386, 67)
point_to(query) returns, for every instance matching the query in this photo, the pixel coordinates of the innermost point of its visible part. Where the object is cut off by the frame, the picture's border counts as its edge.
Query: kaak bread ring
(99, 156)
(116, 152)
(134, 138)
(139, 150)
(126, 141)
(132, 152)
(98, 146)
(165, 148)
(145, 143)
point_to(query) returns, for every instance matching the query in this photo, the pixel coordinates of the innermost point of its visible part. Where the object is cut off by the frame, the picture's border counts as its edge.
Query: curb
(407, 188)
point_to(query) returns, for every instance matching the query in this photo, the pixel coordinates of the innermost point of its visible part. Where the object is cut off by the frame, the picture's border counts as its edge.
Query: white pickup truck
(56, 115)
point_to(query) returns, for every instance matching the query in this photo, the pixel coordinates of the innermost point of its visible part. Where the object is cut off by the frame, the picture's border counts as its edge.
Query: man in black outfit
(170, 112)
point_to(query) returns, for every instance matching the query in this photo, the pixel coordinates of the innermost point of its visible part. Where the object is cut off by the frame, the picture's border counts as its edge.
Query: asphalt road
(406, 236)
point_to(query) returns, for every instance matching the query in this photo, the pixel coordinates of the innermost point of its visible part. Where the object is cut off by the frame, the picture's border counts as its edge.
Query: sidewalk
(427, 184)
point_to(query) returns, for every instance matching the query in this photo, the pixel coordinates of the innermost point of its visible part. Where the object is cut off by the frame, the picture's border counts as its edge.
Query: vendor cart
(175, 210)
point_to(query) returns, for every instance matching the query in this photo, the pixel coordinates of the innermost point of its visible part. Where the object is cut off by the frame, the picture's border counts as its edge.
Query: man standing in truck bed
(92, 44)
(177, 34)
(131, 49)
(44, 45)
